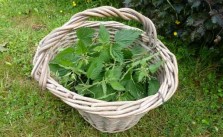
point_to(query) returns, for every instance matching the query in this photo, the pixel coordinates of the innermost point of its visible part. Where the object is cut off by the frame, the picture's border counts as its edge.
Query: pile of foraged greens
(102, 68)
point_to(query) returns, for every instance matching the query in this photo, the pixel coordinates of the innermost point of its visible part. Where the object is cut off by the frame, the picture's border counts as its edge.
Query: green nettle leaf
(141, 75)
(85, 34)
(153, 86)
(126, 97)
(143, 61)
(82, 89)
(66, 57)
(137, 50)
(114, 73)
(127, 54)
(104, 36)
(81, 48)
(98, 48)
(97, 91)
(57, 69)
(126, 37)
(133, 89)
(105, 55)
(95, 69)
(154, 67)
(116, 53)
(116, 85)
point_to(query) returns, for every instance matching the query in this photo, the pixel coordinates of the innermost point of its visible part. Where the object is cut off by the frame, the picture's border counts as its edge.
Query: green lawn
(195, 110)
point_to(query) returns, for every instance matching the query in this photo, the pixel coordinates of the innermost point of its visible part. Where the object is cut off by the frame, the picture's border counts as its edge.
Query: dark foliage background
(196, 22)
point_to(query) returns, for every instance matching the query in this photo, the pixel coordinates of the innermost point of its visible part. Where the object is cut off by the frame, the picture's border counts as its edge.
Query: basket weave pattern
(106, 116)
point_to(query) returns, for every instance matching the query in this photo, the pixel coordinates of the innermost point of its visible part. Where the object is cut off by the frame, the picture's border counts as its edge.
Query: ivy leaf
(81, 48)
(95, 69)
(116, 53)
(153, 86)
(85, 34)
(116, 85)
(104, 36)
(154, 67)
(66, 57)
(126, 37)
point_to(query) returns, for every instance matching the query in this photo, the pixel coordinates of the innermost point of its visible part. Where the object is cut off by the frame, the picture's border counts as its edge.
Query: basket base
(111, 125)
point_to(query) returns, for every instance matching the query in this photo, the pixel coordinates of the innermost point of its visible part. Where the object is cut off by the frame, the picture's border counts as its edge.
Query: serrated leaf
(98, 48)
(95, 69)
(116, 53)
(144, 60)
(81, 48)
(153, 87)
(82, 89)
(116, 85)
(126, 97)
(56, 68)
(114, 73)
(104, 36)
(154, 67)
(136, 50)
(126, 37)
(105, 55)
(86, 35)
(66, 57)
(97, 91)
(133, 89)
(127, 54)
(141, 76)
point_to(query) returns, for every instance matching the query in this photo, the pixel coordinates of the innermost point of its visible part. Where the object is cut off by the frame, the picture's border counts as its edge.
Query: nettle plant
(107, 68)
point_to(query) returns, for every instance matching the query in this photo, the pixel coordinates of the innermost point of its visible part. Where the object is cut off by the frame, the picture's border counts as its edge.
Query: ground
(194, 110)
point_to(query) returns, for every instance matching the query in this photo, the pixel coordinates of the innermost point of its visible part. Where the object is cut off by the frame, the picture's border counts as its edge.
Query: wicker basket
(106, 116)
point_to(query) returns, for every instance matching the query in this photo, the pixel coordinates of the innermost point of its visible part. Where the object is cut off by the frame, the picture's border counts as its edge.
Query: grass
(195, 109)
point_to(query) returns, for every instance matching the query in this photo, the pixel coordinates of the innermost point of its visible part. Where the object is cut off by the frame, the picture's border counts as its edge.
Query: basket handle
(124, 13)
